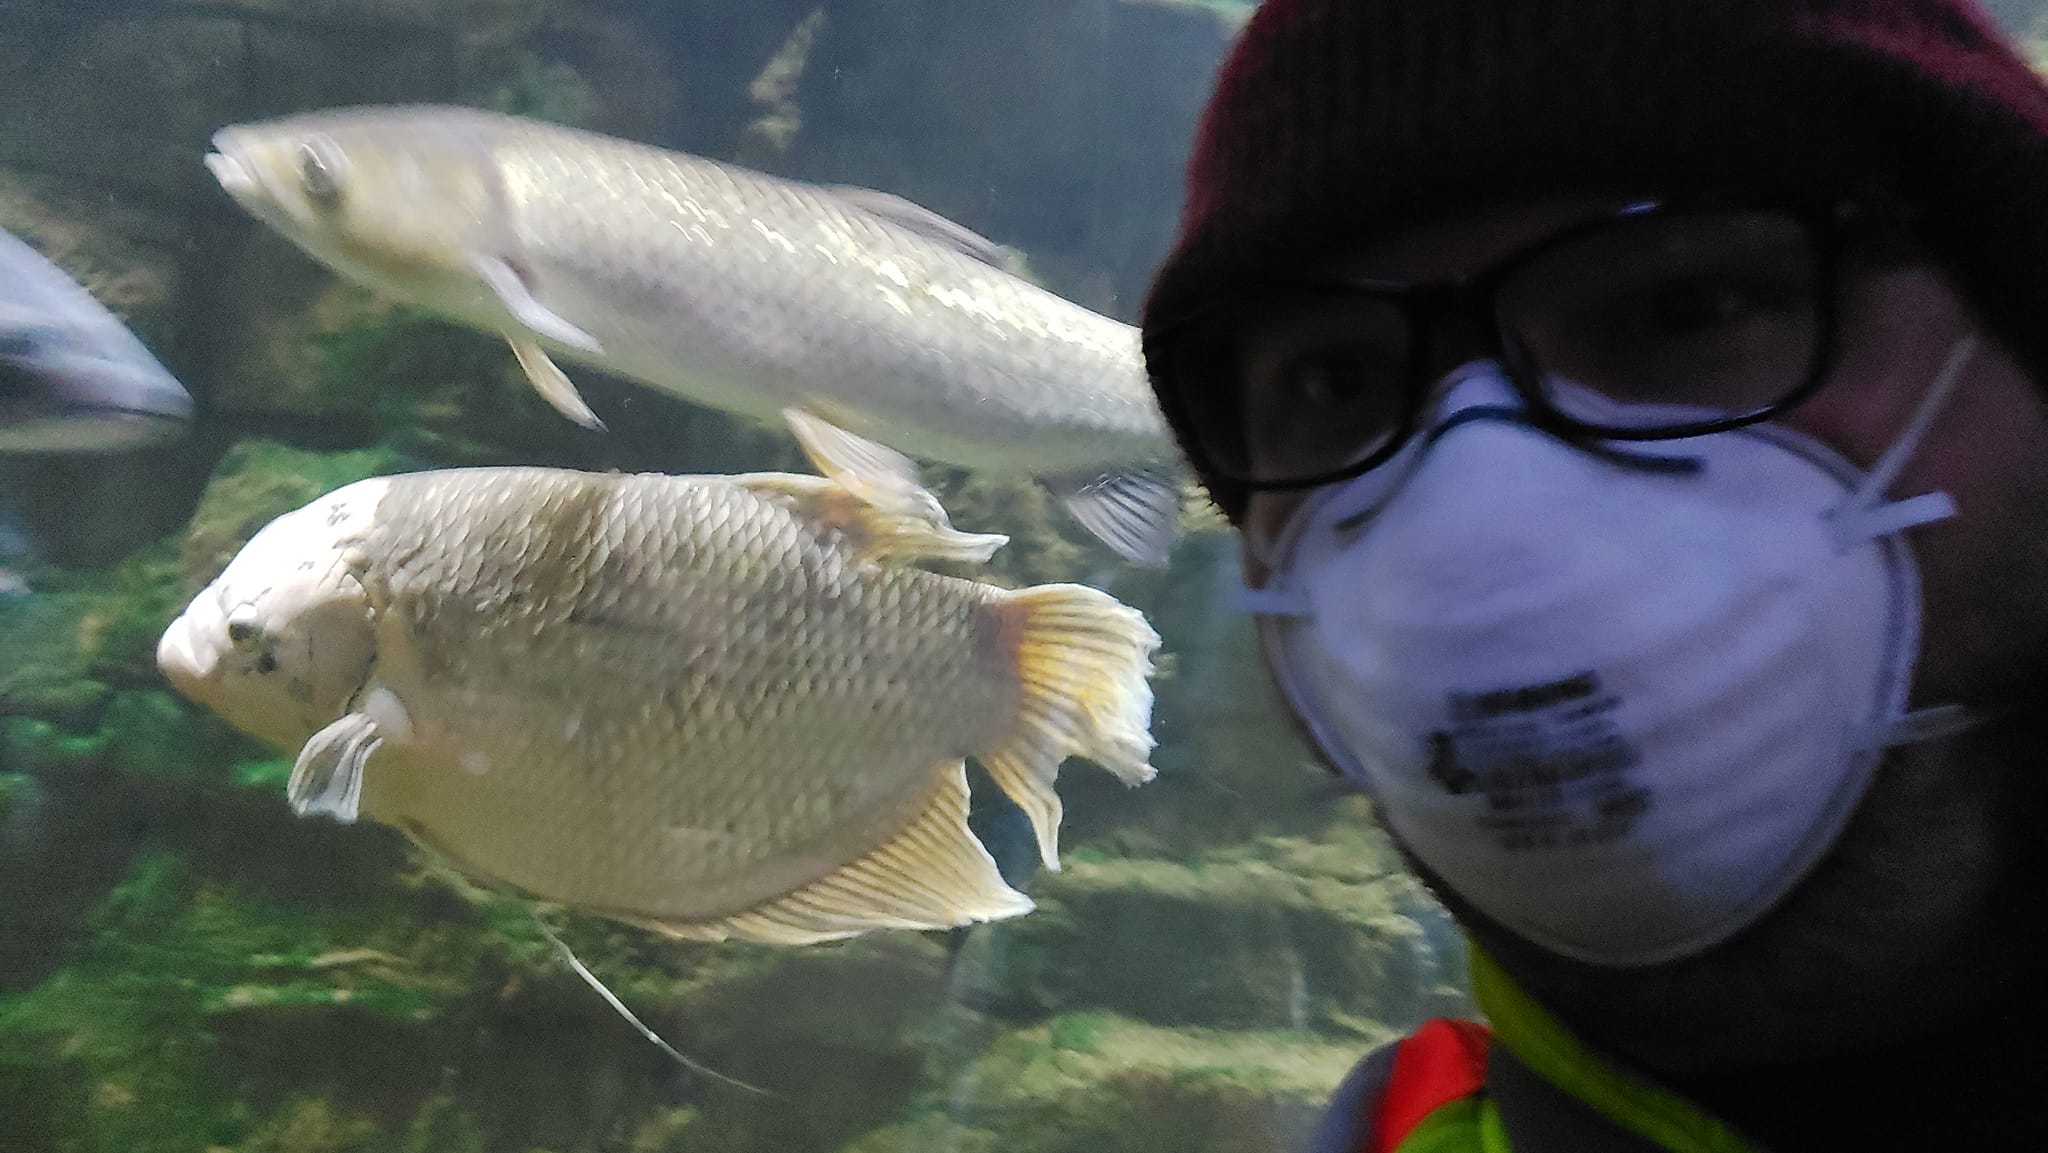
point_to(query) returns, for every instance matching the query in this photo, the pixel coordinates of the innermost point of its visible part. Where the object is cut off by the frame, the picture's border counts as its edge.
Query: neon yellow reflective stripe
(1466, 1125)
(1551, 1052)
(1493, 1136)
(1452, 1127)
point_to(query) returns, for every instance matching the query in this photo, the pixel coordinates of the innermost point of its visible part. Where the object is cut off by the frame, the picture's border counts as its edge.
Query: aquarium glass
(191, 962)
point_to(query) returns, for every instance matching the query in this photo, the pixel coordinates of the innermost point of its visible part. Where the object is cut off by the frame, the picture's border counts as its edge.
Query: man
(1634, 413)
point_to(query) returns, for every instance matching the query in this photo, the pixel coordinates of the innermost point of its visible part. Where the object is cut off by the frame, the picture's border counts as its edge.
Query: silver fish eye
(320, 171)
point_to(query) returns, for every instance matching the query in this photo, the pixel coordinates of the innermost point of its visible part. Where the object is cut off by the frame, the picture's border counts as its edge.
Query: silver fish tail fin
(933, 874)
(1082, 660)
(1134, 510)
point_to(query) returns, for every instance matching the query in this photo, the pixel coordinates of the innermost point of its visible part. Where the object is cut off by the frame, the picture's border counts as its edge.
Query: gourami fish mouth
(183, 661)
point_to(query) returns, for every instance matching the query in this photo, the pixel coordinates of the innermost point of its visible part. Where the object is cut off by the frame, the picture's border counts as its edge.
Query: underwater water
(188, 964)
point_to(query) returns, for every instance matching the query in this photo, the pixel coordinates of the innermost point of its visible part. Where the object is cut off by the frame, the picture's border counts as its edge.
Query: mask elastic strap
(1929, 724)
(1866, 514)
(1273, 601)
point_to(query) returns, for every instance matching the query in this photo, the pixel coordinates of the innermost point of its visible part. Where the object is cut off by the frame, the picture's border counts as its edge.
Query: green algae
(1133, 1088)
(184, 973)
(17, 791)
(546, 90)
(256, 482)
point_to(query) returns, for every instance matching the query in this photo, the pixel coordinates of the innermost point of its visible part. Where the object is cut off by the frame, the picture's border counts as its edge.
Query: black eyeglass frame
(1832, 226)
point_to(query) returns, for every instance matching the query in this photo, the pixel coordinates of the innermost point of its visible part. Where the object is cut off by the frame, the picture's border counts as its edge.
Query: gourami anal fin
(327, 779)
(1135, 510)
(1082, 661)
(934, 874)
(870, 532)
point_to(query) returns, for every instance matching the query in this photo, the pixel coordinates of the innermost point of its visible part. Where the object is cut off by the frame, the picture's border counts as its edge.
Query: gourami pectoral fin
(510, 288)
(868, 531)
(875, 473)
(1081, 660)
(1134, 510)
(327, 779)
(932, 875)
(551, 382)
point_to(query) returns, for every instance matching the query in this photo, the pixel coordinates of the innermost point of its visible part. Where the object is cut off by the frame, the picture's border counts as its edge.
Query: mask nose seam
(1519, 417)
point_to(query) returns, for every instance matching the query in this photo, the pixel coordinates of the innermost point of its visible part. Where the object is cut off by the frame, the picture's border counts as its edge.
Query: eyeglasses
(1655, 322)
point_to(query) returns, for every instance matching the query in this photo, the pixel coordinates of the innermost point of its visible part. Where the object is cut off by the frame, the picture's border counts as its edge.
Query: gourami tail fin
(1082, 661)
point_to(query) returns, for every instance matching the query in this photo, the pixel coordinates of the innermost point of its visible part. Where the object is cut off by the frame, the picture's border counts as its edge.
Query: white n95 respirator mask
(1621, 698)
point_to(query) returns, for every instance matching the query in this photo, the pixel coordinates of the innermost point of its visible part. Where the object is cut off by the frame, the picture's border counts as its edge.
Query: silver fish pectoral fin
(867, 531)
(510, 288)
(327, 779)
(933, 874)
(1135, 510)
(873, 472)
(551, 382)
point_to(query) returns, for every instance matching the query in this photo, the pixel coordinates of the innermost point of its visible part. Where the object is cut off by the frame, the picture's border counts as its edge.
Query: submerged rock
(1323, 933)
(1097, 1083)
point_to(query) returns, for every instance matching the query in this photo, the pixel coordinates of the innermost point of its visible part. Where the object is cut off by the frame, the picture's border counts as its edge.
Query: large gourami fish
(72, 377)
(726, 287)
(712, 706)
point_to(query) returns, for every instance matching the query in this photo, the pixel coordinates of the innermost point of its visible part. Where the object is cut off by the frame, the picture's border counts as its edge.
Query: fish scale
(655, 294)
(763, 637)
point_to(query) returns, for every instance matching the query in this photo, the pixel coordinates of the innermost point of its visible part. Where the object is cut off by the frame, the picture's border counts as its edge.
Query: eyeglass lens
(1661, 321)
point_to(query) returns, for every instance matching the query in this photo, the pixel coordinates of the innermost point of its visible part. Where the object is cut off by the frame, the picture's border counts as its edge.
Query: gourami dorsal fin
(874, 472)
(870, 532)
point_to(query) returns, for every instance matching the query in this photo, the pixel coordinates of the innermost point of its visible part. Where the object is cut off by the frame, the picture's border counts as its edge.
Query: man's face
(1908, 923)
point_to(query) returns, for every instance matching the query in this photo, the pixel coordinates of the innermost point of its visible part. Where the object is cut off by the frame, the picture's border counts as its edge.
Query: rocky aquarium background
(184, 966)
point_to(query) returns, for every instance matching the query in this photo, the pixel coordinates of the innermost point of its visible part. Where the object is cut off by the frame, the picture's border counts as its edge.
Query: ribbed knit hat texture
(1334, 121)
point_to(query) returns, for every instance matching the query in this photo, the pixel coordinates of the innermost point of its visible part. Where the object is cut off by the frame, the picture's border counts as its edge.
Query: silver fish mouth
(235, 178)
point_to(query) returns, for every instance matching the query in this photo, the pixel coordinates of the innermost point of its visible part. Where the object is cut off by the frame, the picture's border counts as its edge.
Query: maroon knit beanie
(1335, 121)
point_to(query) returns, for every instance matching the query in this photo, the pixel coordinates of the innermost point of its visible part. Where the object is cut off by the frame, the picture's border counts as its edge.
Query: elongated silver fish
(714, 706)
(726, 287)
(72, 377)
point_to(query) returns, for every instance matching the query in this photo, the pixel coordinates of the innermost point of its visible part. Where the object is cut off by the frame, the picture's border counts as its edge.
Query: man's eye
(1698, 307)
(1327, 377)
